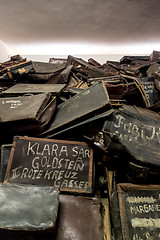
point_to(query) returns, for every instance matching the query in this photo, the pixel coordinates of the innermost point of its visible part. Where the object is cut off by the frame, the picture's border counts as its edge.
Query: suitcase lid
(23, 107)
(21, 89)
(28, 207)
(79, 106)
(66, 165)
(138, 131)
(80, 218)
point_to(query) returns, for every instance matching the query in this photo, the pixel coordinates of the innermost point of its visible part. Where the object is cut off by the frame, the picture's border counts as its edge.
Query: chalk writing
(86, 92)
(131, 131)
(65, 165)
(148, 88)
(136, 237)
(141, 211)
(141, 199)
(72, 106)
(145, 223)
(12, 103)
(146, 208)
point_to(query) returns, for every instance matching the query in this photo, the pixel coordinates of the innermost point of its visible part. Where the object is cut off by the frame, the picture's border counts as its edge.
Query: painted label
(62, 164)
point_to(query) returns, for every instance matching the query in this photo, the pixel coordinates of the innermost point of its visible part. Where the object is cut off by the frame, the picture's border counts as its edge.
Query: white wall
(4, 55)
(101, 58)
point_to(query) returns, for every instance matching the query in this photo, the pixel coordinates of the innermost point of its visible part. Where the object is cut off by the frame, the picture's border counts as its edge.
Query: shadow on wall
(3, 52)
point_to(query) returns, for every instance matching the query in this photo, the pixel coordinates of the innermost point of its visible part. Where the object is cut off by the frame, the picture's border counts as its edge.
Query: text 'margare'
(67, 165)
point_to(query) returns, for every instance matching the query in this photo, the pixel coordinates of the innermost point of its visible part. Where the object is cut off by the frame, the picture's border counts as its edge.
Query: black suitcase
(150, 95)
(66, 165)
(132, 134)
(44, 72)
(5, 153)
(114, 205)
(139, 207)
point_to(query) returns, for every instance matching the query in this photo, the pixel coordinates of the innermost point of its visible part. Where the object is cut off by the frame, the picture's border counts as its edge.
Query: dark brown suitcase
(14, 60)
(157, 80)
(155, 56)
(82, 67)
(26, 114)
(129, 59)
(115, 91)
(139, 173)
(80, 218)
(154, 67)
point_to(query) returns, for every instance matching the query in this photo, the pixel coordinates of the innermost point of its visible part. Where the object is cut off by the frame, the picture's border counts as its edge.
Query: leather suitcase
(24, 88)
(157, 80)
(26, 114)
(154, 57)
(80, 218)
(66, 165)
(5, 153)
(139, 211)
(132, 134)
(152, 95)
(87, 70)
(80, 107)
(27, 211)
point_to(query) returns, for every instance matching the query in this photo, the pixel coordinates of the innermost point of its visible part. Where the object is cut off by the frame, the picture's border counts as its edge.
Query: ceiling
(107, 22)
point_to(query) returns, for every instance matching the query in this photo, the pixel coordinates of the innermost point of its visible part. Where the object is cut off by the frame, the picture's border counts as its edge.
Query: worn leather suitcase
(84, 69)
(5, 153)
(80, 218)
(115, 91)
(16, 71)
(22, 89)
(44, 72)
(152, 95)
(26, 114)
(19, 70)
(62, 77)
(139, 211)
(114, 205)
(129, 59)
(157, 80)
(80, 107)
(155, 56)
(132, 134)
(14, 60)
(66, 165)
(154, 67)
(139, 173)
(27, 211)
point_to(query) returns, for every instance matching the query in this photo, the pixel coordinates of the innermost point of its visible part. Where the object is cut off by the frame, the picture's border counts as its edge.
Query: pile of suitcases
(80, 149)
